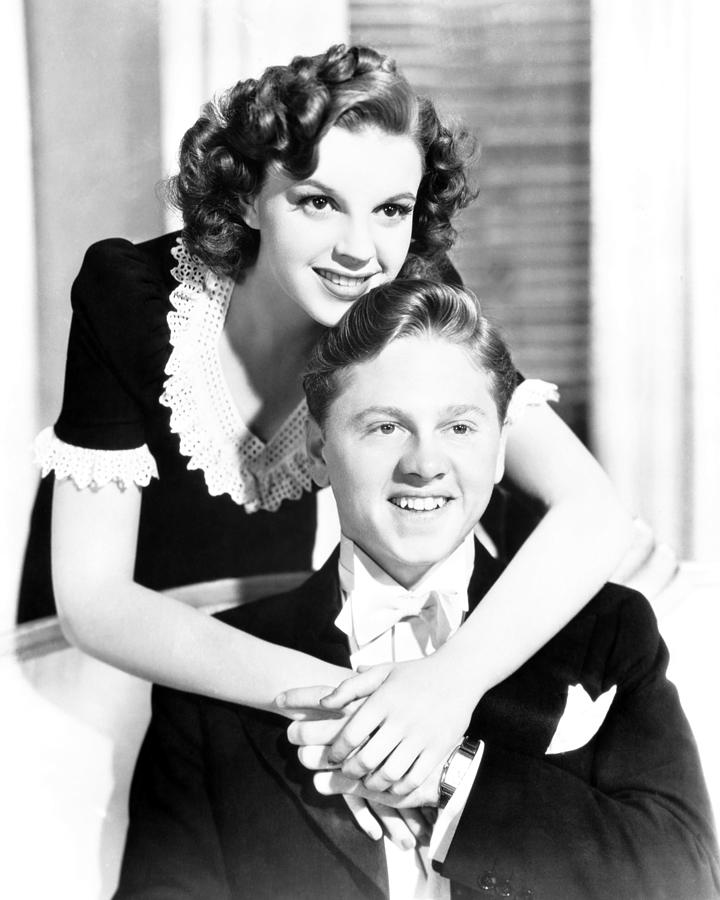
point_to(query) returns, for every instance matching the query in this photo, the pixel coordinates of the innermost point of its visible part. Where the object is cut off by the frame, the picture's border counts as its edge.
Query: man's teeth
(419, 503)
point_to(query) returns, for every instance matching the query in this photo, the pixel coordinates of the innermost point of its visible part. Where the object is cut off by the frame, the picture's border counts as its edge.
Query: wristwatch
(455, 768)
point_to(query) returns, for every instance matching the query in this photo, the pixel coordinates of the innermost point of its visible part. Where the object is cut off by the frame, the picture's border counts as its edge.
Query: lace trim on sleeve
(93, 469)
(532, 392)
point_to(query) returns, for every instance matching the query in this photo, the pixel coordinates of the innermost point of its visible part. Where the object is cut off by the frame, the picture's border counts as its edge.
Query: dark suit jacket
(221, 808)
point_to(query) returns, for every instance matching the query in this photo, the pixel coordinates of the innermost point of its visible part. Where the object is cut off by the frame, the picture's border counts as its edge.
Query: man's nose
(355, 246)
(424, 458)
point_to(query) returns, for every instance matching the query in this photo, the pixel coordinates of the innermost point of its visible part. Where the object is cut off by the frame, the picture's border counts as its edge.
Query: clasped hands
(381, 739)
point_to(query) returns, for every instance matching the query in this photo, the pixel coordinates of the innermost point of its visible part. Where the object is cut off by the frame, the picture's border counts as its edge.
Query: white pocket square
(581, 720)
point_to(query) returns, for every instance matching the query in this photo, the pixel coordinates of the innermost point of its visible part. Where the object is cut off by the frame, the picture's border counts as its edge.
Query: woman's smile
(345, 287)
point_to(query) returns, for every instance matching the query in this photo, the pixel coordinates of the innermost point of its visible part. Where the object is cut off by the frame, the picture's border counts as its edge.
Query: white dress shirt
(385, 622)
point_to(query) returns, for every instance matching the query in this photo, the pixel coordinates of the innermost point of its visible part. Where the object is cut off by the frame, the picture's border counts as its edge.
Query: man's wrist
(455, 768)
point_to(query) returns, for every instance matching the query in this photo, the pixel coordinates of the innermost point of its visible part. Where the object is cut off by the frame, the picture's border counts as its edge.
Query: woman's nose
(355, 246)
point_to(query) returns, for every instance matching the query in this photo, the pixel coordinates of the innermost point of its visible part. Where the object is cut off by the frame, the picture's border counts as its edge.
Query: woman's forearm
(163, 640)
(108, 615)
(560, 567)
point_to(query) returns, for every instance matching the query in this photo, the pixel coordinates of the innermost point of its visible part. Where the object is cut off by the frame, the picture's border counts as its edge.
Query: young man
(409, 395)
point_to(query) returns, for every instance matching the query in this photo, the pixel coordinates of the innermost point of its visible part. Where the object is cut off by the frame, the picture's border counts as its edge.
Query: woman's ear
(249, 213)
(315, 444)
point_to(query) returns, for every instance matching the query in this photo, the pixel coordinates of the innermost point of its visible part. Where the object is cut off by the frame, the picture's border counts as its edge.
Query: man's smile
(420, 504)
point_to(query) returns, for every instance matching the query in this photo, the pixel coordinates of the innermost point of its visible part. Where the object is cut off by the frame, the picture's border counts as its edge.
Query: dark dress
(118, 350)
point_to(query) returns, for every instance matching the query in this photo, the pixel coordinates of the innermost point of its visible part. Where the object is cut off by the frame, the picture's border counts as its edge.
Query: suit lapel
(316, 634)
(486, 571)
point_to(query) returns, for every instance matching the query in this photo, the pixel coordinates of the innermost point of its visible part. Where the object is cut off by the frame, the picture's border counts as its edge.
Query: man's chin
(408, 566)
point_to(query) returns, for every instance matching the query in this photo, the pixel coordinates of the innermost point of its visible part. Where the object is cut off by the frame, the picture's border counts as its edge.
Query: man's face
(412, 448)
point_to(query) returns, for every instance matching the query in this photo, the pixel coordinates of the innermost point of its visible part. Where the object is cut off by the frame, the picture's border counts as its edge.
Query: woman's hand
(308, 703)
(395, 738)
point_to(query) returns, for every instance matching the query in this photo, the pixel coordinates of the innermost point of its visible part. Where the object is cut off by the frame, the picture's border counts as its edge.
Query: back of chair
(71, 730)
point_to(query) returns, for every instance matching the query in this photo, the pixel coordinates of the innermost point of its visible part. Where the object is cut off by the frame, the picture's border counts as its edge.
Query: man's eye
(387, 428)
(460, 428)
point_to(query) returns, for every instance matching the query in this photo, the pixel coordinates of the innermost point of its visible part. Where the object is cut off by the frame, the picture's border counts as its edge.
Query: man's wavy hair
(280, 119)
(412, 307)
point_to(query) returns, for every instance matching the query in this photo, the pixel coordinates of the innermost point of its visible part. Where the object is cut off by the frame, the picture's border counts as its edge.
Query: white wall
(208, 45)
(18, 347)
(656, 275)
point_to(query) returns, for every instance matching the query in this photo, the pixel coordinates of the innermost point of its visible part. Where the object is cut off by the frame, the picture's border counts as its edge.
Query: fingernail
(280, 700)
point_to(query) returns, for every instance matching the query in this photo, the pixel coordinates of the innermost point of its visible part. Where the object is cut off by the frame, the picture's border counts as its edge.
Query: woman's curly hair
(280, 119)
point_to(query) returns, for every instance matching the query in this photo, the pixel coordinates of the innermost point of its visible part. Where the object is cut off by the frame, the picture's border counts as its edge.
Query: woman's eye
(395, 211)
(387, 428)
(460, 428)
(316, 203)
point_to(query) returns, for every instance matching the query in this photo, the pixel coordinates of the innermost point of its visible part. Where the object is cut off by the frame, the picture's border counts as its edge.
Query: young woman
(179, 451)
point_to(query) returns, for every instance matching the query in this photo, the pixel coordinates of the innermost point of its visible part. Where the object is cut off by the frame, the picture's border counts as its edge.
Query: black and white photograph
(361, 463)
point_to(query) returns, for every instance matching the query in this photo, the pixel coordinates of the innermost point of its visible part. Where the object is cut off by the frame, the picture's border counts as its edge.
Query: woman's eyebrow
(326, 189)
(405, 195)
(318, 185)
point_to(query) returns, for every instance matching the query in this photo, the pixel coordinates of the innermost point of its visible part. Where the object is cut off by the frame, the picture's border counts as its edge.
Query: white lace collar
(202, 412)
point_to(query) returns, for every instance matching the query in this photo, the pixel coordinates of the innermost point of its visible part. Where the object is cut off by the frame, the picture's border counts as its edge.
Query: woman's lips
(344, 286)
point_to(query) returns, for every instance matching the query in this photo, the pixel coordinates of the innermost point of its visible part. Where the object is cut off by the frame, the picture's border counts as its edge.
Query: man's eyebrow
(394, 412)
(385, 412)
(466, 409)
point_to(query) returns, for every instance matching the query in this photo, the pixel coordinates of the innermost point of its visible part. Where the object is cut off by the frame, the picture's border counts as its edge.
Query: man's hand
(415, 715)
(403, 824)
(406, 827)
(423, 797)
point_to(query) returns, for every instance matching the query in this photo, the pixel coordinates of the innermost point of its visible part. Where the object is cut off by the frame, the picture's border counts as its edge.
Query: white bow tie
(433, 614)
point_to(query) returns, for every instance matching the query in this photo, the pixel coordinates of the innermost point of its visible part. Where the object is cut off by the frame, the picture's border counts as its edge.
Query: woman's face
(327, 239)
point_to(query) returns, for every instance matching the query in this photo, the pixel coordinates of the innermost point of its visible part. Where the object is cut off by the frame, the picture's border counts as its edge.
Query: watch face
(455, 768)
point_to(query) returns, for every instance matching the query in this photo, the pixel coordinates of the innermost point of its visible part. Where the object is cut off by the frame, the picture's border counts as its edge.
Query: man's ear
(315, 444)
(500, 464)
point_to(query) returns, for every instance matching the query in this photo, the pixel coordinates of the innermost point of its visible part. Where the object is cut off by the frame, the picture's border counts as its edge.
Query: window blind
(518, 74)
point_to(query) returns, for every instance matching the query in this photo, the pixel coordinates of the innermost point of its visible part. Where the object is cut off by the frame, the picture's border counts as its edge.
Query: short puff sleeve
(116, 352)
